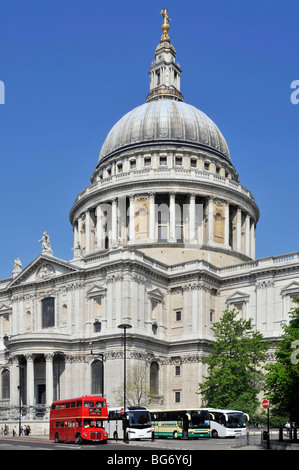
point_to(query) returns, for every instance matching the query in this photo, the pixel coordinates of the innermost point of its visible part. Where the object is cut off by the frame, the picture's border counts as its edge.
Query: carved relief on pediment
(45, 271)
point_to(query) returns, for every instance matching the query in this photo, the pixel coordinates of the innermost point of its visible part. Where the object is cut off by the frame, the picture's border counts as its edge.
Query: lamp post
(102, 371)
(125, 326)
(59, 354)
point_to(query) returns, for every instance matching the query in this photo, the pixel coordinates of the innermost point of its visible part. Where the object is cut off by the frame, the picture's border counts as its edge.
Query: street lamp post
(125, 326)
(59, 354)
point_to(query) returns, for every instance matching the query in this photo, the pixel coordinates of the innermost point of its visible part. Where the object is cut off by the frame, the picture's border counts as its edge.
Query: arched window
(97, 378)
(5, 382)
(154, 378)
(48, 312)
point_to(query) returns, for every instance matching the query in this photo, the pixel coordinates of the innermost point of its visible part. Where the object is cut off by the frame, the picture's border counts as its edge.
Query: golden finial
(165, 25)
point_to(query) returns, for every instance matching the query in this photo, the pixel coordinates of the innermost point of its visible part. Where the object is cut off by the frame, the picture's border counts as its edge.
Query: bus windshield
(198, 419)
(139, 419)
(235, 420)
(93, 423)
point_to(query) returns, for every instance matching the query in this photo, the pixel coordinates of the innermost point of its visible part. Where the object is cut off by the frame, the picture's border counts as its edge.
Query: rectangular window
(147, 161)
(163, 160)
(178, 161)
(177, 397)
(177, 370)
(178, 315)
(48, 313)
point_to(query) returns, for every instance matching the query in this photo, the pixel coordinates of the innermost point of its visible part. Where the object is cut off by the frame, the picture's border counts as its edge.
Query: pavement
(253, 444)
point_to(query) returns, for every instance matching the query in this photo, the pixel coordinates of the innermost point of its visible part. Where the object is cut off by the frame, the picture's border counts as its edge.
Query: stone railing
(160, 174)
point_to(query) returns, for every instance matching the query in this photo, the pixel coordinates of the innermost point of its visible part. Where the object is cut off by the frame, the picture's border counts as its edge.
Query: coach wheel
(214, 433)
(175, 435)
(56, 438)
(78, 439)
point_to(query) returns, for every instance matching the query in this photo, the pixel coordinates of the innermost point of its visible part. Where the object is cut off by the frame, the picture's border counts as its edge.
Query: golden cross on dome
(165, 25)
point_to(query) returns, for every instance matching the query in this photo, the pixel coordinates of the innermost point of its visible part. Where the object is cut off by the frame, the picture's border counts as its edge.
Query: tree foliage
(282, 379)
(234, 373)
(137, 389)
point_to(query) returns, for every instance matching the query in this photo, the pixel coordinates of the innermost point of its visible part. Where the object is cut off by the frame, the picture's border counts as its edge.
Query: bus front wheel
(175, 435)
(78, 439)
(214, 433)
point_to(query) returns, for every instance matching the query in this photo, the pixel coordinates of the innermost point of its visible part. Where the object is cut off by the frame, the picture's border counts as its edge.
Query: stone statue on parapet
(17, 267)
(46, 245)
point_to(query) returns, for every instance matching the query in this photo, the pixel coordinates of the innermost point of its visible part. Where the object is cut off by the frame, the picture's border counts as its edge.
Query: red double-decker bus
(79, 419)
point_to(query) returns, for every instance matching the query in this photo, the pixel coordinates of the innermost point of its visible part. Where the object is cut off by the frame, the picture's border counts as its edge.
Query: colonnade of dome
(167, 196)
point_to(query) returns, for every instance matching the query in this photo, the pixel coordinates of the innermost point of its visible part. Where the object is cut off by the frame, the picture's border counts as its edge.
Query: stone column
(252, 240)
(239, 229)
(247, 235)
(79, 230)
(87, 232)
(172, 218)
(76, 238)
(114, 223)
(30, 379)
(14, 380)
(100, 233)
(210, 220)
(226, 225)
(49, 378)
(132, 220)
(192, 237)
(152, 217)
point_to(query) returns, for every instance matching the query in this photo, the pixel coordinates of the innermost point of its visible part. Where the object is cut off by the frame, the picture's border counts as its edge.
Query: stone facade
(164, 239)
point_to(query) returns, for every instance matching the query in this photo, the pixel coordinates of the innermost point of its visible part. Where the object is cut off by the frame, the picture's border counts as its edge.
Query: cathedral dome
(165, 121)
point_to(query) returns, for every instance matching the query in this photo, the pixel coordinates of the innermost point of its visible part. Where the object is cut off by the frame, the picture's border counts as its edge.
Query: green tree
(137, 388)
(234, 373)
(282, 379)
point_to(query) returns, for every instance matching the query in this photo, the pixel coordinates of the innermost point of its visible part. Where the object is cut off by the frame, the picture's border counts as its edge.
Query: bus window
(100, 404)
(79, 404)
(89, 404)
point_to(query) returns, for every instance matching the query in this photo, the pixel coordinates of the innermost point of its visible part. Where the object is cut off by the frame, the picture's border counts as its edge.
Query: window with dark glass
(5, 376)
(48, 313)
(97, 378)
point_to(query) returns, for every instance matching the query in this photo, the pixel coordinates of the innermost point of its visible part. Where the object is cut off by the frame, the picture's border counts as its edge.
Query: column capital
(49, 357)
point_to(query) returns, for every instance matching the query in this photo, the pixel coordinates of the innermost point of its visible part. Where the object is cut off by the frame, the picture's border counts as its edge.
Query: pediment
(43, 268)
(5, 309)
(237, 296)
(156, 294)
(96, 291)
(291, 288)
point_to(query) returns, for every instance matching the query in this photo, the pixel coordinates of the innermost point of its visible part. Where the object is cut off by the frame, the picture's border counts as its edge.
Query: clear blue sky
(72, 68)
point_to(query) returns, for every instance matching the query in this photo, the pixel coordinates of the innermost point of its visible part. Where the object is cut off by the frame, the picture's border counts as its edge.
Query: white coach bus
(228, 423)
